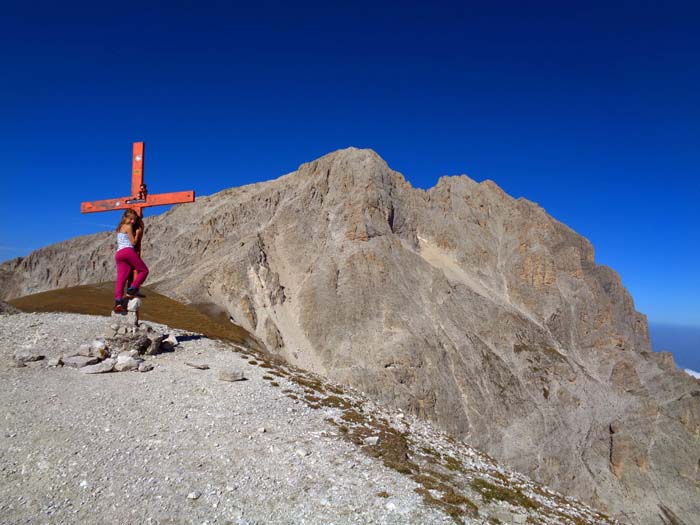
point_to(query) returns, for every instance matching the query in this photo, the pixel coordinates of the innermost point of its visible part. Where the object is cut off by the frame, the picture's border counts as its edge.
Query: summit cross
(140, 198)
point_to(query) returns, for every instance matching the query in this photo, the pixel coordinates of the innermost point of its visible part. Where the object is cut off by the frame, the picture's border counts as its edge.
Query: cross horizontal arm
(158, 199)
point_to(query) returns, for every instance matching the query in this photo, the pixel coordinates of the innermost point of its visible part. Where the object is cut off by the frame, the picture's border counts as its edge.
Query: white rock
(231, 375)
(198, 366)
(100, 368)
(79, 361)
(134, 305)
(169, 342)
(194, 495)
(99, 349)
(125, 363)
(25, 356)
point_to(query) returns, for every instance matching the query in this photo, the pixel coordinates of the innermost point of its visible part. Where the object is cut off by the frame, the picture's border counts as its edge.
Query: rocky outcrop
(459, 304)
(8, 309)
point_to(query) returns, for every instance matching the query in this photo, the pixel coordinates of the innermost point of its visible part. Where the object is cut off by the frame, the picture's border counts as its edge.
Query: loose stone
(79, 361)
(169, 343)
(231, 375)
(99, 349)
(26, 356)
(155, 345)
(134, 305)
(100, 368)
(198, 366)
(125, 363)
(98, 345)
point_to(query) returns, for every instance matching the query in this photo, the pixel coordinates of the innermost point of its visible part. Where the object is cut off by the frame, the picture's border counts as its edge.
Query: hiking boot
(118, 307)
(134, 292)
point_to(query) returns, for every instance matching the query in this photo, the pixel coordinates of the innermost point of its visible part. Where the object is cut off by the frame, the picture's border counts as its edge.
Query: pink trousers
(127, 259)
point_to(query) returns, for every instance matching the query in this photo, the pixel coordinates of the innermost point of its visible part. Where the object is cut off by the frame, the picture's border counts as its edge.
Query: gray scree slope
(459, 304)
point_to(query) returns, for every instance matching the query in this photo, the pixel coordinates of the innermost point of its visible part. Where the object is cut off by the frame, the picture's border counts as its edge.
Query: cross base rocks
(131, 317)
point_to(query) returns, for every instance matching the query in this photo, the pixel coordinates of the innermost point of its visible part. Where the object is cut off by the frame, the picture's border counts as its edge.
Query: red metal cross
(140, 198)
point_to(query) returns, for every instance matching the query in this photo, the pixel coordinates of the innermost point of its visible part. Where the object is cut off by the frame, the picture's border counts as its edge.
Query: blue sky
(589, 109)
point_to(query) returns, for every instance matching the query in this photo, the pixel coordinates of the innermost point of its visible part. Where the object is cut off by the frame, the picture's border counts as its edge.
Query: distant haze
(682, 341)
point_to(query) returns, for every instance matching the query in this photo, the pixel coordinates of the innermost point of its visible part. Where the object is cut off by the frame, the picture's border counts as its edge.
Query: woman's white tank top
(123, 241)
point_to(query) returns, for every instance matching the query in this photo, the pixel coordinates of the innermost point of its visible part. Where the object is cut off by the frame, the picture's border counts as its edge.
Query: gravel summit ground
(217, 432)
(176, 444)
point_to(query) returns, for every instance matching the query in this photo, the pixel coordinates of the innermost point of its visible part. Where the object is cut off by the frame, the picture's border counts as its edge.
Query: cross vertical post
(137, 171)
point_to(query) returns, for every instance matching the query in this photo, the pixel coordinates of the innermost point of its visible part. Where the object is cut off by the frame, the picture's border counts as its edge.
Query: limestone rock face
(459, 304)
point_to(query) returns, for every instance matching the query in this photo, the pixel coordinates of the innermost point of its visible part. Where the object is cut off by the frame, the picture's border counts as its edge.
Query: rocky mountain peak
(458, 304)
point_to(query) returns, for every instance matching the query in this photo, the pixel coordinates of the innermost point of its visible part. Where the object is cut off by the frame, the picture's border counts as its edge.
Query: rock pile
(122, 348)
(7, 309)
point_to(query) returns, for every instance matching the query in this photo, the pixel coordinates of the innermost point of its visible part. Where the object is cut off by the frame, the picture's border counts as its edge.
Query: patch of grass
(383, 494)
(569, 519)
(335, 402)
(454, 505)
(453, 464)
(490, 492)
(252, 362)
(431, 453)
(579, 520)
(267, 378)
(445, 478)
(274, 383)
(310, 383)
(353, 416)
(334, 389)
(392, 448)
(427, 481)
(501, 476)
(394, 451)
